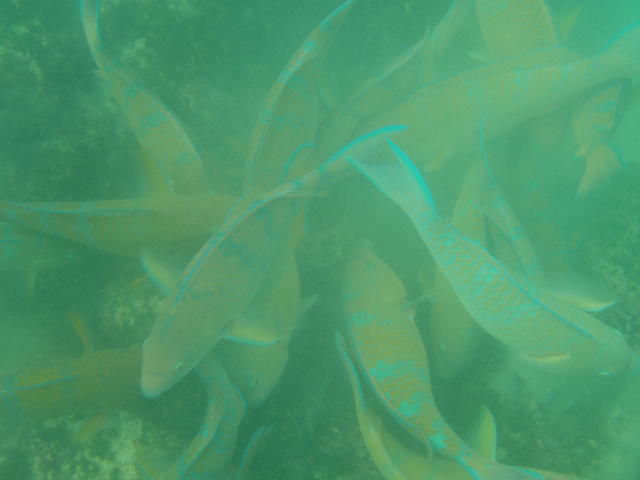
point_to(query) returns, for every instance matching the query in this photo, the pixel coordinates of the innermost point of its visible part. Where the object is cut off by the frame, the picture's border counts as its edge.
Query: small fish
(391, 355)
(223, 278)
(173, 163)
(126, 227)
(531, 321)
(444, 115)
(593, 123)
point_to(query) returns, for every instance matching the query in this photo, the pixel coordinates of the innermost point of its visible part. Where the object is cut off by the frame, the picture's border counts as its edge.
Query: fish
(97, 381)
(529, 320)
(255, 369)
(215, 460)
(398, 460)
(210, 450)
(593, 122)
(443, 116)
(287, 126)
(390, 353)
(30, 252)
(452, 331)
(222, 279)
(126, 227)
(420, 63)
(172, 162)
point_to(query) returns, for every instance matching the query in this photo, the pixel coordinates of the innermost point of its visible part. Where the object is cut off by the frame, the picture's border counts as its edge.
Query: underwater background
(212, 64)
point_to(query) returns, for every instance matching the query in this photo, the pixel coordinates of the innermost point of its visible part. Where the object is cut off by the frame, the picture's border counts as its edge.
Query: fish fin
(496, 208)
(623, 55)
(89, 10)
(352, 373)
(562, 364)
(250, 331)
(249, 453)
(82, 329)
(600, 162)
(398, 178)
(163, 275)
(583, 293)
(482, 434)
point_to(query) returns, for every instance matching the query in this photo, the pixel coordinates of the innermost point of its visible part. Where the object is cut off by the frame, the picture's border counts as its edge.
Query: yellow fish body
(173, 163)
(390, 353)
(444, 117)
(96, 381)
(126, 227)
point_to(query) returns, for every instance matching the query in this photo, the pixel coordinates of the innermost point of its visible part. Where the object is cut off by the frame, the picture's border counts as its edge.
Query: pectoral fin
(582, 293)
(601, 162)
(248, 330)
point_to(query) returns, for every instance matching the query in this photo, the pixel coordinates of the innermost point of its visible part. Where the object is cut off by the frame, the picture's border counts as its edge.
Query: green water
(212, 64)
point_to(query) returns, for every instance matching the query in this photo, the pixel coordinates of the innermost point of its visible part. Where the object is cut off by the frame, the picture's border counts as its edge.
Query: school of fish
(228, 264)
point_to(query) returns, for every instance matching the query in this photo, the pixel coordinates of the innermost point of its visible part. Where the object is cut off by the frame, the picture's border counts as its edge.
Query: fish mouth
(151, 385)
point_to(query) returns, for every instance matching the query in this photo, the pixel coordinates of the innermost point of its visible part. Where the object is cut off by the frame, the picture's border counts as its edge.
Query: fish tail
(601, 162)
(399, 179)
(89, 10)
(624, 51)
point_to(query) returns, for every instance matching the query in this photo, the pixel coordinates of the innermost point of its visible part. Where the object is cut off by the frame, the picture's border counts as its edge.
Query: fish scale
(499, 303)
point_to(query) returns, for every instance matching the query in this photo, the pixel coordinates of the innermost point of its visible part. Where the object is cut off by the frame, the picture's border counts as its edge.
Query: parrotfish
(256, 369)
(513, 28)
(225, 275)
(391, 355)
(531, 321)
(419, 64)
(173, 163)
(208, 455)
(444, 116)
(287, 126)
(126, 227)
(593, 122)
(452, 331)
(396, 459)
(29, 251)
(94, 382)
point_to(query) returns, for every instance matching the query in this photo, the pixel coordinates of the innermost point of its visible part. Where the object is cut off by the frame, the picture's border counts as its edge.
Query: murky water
(124, 152)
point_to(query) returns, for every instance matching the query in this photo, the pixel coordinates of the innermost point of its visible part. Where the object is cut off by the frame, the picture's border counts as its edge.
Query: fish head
(166, 359)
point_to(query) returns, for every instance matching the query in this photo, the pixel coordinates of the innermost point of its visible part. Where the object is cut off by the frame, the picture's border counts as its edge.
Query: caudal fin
(395, 175)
